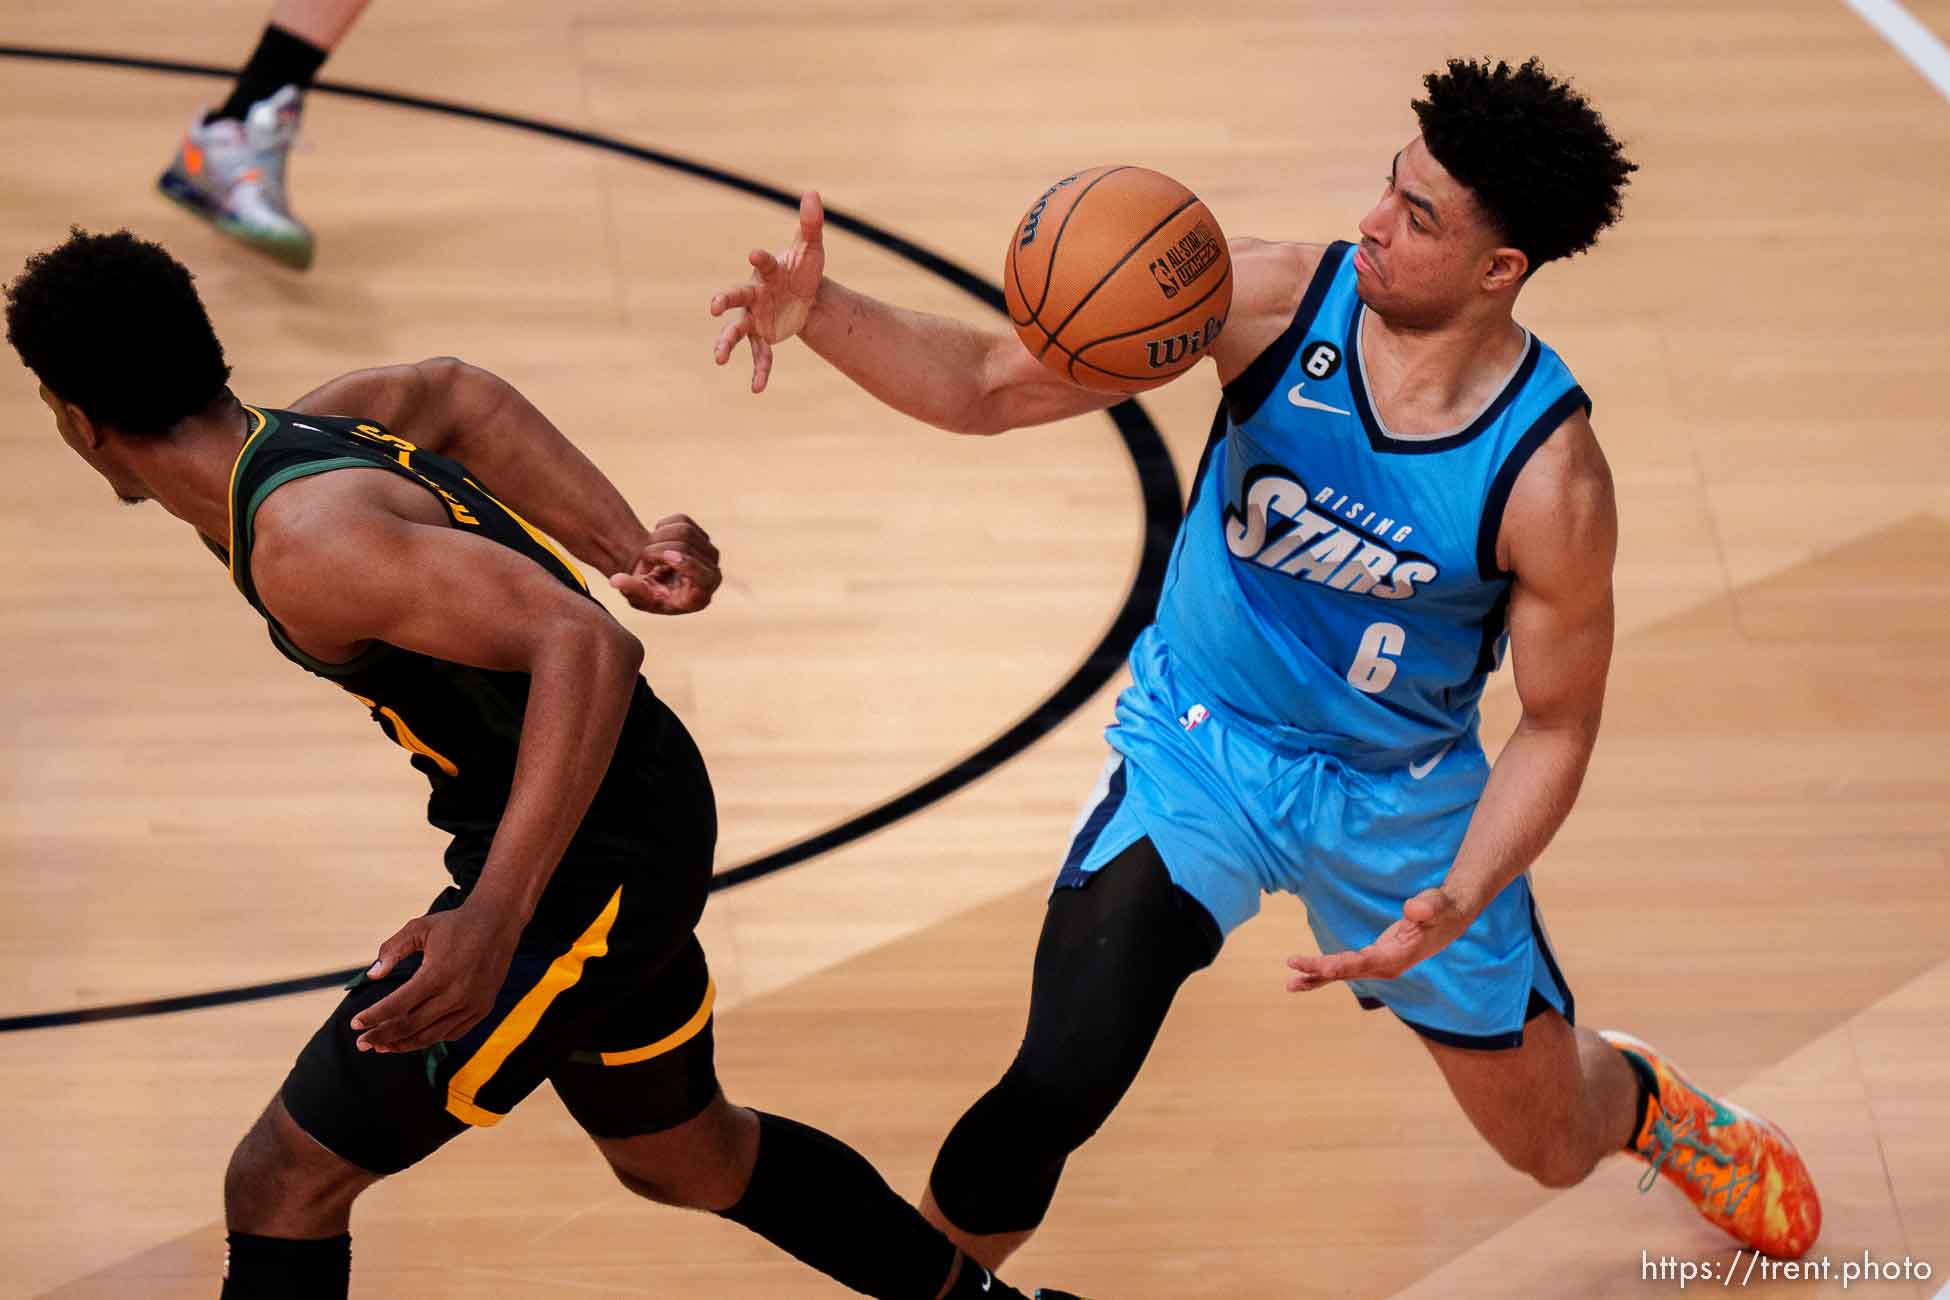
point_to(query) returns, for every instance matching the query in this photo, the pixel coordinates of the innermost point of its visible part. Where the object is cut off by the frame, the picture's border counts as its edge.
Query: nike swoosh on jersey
(1295, 396)
(1426, 766)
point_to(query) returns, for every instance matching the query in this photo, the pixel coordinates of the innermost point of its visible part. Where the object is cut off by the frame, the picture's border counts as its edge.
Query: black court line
(1157, 481)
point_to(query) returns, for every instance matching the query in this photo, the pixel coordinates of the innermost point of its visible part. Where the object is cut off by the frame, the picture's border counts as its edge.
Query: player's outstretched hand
(676, 572)
(1430, 921)
(465, 958)
(773, 305)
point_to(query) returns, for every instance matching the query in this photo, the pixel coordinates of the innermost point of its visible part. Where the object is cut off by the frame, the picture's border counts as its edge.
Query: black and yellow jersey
(462, 725)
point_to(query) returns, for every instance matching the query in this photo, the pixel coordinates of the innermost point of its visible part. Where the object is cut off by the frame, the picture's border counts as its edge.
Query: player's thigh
(646, 1063)
(386, 1111)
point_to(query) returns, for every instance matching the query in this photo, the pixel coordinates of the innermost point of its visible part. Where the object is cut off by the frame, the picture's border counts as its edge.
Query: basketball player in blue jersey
(1401, 481)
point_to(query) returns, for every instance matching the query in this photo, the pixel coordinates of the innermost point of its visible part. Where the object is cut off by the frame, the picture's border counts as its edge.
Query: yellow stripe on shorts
(690, 1029)
(561, 975)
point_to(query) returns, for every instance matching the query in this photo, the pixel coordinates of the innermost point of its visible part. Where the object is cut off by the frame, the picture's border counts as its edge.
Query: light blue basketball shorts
(1234, 816)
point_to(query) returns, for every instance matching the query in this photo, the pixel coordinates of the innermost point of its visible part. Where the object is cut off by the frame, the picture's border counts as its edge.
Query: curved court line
(1157, 482)
(1912, 39)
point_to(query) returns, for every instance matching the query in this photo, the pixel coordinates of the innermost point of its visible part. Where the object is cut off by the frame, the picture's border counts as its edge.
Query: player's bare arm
(448, 407)
(1269, 280)
(950, 374)
(1559, 536)
(354, 557)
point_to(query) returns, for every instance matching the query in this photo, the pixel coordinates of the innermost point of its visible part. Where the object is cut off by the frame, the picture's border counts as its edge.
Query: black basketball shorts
(617, 1019)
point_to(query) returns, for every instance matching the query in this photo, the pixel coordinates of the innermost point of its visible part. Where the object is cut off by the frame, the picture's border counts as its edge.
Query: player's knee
(1043, 1114)
(1028, 1122)
(687, 1189)
(279, 1178)
(714, 1185)
(1064, 1106)
(1552, 1164)
(703, 1164)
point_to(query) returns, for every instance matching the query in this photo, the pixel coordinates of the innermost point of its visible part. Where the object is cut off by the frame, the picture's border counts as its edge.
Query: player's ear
(86, 432)
(1506, 269)
(77, 430)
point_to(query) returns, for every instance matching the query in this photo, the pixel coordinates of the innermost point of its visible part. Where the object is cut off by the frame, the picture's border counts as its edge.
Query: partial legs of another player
(230, 168)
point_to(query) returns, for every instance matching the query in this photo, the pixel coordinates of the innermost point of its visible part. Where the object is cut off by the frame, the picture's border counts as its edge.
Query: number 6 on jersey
(1373, 668)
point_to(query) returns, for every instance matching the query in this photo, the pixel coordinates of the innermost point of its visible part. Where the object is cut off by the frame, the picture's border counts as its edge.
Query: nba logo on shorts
(1193, 716)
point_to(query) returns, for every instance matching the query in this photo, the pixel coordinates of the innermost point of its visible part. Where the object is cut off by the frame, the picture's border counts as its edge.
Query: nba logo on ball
(1118, 279)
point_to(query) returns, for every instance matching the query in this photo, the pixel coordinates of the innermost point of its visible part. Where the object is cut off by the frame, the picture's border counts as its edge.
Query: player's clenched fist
(675, 571)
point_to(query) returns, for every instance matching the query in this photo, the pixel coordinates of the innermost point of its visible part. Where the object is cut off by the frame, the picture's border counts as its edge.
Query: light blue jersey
(1302, 715)
(1336, 582)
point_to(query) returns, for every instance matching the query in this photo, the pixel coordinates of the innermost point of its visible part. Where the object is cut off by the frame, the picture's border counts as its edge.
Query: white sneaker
(231, 174)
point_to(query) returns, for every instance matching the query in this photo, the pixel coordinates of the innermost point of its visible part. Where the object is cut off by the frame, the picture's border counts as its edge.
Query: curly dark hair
(1537, 156)
(112, 323)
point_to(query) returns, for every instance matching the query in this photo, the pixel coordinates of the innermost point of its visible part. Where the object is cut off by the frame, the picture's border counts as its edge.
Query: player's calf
(1553, 1106)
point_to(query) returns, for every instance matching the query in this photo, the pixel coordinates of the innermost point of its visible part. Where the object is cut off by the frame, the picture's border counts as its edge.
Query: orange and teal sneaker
(1738, 1170)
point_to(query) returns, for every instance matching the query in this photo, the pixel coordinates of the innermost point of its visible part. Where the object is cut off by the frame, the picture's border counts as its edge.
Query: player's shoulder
(1570, 459)
(1270, 281)
(1564, 498)
(1274, 271)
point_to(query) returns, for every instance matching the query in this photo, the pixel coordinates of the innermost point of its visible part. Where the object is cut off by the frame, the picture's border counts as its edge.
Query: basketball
(1118, 279)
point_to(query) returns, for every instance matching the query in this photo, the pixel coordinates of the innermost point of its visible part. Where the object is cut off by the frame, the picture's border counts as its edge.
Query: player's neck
(1434, 373)
(188, 471)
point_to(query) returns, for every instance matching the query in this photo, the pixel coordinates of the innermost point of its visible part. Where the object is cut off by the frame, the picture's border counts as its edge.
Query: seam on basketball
(1057, 242)
(1223, 280)
(1118, 265)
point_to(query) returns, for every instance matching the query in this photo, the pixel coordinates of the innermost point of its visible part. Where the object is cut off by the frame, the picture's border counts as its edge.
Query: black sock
(1648, 1095)
(819, 1200)
(283, 1268)
(280, 60)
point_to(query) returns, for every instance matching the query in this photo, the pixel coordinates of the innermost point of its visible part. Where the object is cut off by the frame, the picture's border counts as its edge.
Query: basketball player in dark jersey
(374, 525)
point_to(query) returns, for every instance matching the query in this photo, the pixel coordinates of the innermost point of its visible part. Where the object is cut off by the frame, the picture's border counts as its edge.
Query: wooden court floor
(1757, 877)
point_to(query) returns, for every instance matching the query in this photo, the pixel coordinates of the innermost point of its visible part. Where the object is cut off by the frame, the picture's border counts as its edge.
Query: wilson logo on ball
(1035, 217)
(1169, 351)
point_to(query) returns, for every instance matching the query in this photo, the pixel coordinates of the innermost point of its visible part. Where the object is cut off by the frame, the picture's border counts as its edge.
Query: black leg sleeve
(818, 1200)
(1112, 956)
(284, 1268)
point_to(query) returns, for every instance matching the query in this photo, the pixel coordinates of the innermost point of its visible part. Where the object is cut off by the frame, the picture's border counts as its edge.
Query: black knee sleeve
(1112, 956)
(998, 1169)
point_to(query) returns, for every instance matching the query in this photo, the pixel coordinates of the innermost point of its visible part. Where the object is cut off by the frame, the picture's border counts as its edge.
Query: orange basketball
(1118, 279)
